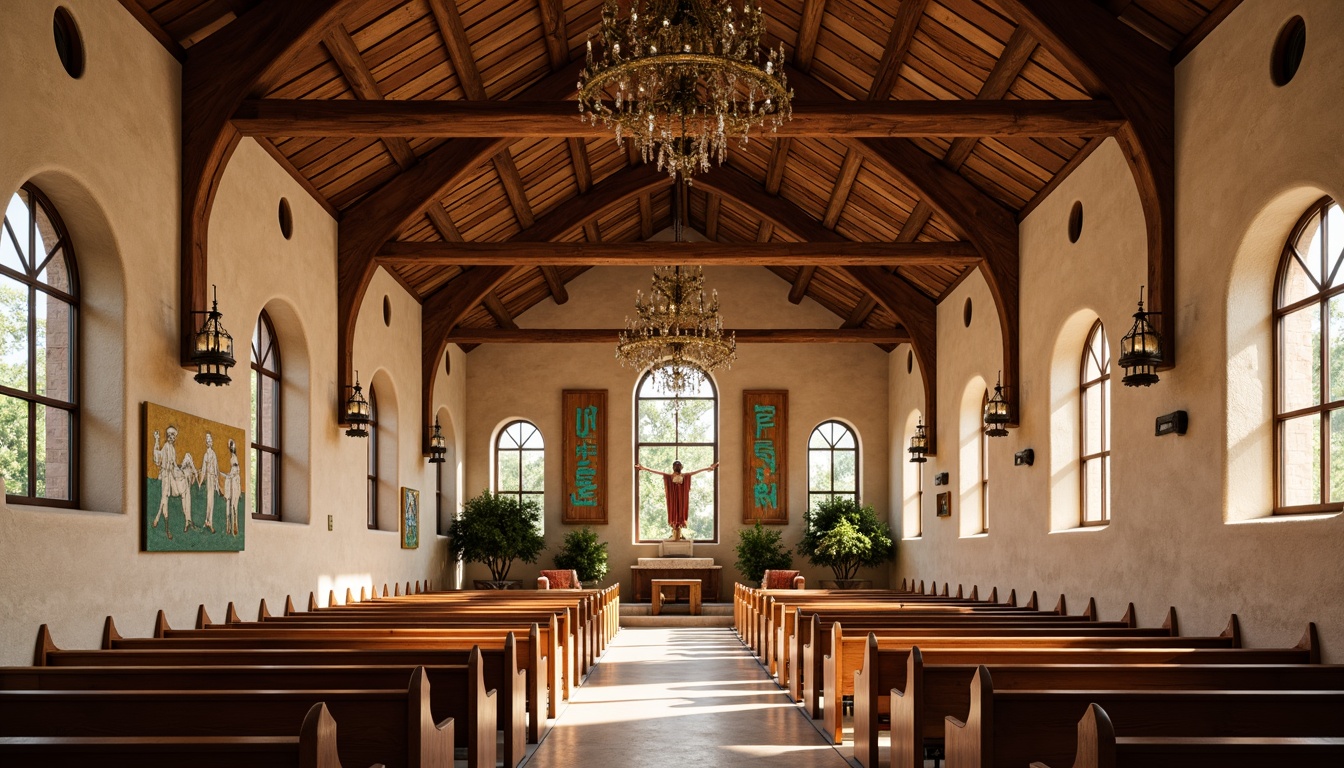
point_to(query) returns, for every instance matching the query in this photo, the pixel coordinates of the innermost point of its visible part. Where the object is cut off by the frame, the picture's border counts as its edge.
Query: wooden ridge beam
(1114, 61)
(523, 118)
(531, 253)
(244, 60)
(743, 335)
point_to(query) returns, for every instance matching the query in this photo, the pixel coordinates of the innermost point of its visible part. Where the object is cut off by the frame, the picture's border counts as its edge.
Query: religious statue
(677, 487)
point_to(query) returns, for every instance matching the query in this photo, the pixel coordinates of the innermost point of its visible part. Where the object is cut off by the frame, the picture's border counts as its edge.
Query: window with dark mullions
(832, 463)
(520, 464)
(266, 451)
(1095, 455)
(984, 470)
(39, 377)
(669, 429)
(373, 459)
(1309, 365)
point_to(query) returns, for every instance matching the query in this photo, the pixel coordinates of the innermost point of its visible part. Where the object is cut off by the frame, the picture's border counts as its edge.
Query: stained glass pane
(1300, 358)
(1300, 457)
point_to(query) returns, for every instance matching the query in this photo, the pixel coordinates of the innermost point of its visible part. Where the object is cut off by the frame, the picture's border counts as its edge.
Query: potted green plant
(584, 553)
(761, 549)
(845, 536)
(496, 529)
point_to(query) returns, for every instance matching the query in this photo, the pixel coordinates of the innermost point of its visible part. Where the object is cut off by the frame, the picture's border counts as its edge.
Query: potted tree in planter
(761, 549)
(845, 536)
(496, 529)
(585, 553)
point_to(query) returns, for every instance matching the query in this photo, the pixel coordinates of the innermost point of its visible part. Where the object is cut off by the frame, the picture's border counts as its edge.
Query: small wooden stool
(656, 598)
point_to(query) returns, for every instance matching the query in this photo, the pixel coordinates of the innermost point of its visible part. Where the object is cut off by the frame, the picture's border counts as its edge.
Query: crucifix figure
(677, 486)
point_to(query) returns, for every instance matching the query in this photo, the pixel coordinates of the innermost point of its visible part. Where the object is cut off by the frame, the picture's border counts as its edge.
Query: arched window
(984, 471)
(520, 463)
(1096, 427)
(39, 331)
(669, 429)
(373, 459)
(1308, 354)
(832, 463)
(266, 422)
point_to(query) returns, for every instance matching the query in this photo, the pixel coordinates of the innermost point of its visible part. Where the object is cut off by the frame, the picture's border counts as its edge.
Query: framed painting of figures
(195, 485)
(410, 518)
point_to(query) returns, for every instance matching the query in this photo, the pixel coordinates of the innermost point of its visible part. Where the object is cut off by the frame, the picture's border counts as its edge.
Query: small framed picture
(410, 518)
(945, 504)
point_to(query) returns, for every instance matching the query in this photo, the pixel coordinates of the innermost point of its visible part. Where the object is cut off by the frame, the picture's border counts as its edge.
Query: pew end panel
(970, 743)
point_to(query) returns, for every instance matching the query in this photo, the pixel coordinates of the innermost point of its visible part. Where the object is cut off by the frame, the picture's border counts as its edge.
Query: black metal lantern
(437, 448)
(212, 351)
(1141, 350)
(357, 411)
(919, 445)
(996, 412)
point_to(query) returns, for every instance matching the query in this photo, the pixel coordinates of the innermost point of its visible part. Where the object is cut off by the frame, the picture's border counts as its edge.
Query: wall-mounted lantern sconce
(996, 412)
(357, 411)
(212, 352)
(1141, 350)
(919, 445)
(1025, 456)
(437, 447)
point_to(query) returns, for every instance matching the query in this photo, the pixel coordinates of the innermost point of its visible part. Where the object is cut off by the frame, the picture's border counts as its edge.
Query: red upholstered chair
(558, 580)
(783, 580)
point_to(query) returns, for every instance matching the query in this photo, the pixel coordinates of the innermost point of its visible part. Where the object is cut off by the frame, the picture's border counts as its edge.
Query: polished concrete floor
(681, 697)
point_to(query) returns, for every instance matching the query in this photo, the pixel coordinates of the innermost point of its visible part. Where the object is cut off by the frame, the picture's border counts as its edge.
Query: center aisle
(681, 697)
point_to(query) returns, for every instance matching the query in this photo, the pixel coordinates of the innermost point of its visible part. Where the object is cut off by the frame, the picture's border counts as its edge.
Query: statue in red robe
(677, 487)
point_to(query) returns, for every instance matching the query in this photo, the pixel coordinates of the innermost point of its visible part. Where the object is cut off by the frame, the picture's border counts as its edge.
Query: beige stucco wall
(842, 381)
(106, 150)
(1190, 524)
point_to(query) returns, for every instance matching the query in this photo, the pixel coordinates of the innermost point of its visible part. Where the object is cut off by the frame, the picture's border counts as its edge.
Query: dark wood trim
(1202, 30)
(743, 335)
(294, 173)
(522, 118)
(529, 253)
(1072, 165)
(155, 29)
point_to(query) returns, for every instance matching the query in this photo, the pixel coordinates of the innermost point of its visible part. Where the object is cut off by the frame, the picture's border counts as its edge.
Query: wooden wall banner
(765, 441)
(585, 462)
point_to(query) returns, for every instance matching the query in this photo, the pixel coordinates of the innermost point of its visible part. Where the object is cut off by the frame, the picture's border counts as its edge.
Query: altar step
(677, 615)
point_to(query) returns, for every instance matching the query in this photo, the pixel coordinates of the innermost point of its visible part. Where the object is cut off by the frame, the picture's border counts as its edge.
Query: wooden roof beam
(1113, 60)
(844, 182)
(713, 204)
(244, 60)
(525, 118)
(805, 46)
(801, 283)
(553, 31)
(498, 311)
(898, 45)
(779, 158)
(861, 312)
(356, 72)
(555, 284)
(531, 253)
(744, 336)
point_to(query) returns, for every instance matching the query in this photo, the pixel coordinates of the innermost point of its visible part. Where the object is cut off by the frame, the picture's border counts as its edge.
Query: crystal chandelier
(676, 333)
(679, 77)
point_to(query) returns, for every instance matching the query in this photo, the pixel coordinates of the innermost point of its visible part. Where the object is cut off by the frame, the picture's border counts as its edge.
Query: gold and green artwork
(195, 486)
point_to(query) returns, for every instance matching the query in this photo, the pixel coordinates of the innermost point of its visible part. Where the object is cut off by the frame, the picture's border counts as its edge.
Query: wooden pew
(1011, 728)
(1098, 747)
(390, 726)
(926, 694)
(314, 747)
(507, 671)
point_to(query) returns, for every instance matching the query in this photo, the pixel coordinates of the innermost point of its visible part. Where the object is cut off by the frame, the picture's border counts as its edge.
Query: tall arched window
(984, 471)
(1308, 355)
(39, 331)
(520, 463)
(265, 468)
(832, 463)
(669, 429)
(373, 459)
(1096, 427)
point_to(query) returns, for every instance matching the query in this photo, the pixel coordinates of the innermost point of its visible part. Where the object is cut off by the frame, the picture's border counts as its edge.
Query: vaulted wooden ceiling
(444, 138)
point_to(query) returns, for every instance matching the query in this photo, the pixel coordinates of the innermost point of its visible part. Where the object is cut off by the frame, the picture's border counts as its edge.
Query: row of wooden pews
(413, 680)
(992, 683)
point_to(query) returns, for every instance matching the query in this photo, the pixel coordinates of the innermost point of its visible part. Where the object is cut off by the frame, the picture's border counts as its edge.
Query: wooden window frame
(1326, 407)
(372, 490)
(37, 199)
(1102, 384)
(639, 387)
(261, 372)
(520, 493)
(984, 469)
(813, 492)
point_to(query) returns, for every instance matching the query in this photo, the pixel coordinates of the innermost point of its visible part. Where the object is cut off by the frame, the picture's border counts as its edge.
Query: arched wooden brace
(1114, 60)
(972, 214)
(244, 59)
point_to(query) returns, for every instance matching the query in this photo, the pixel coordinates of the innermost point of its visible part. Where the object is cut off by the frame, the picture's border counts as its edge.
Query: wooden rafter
(801, 283)
(1112, 60)
(860, 313)
(744, 336)
(442, 221)
(356, 72)
(498, 311)
(555, 284)
(844, 182)
(779, 158)
(526, 119)
(245, 59)
(583, 171)
(553, 31)
(713, 203)
(645, 216)
(805, 46)
(834, 252)
(1016, 53)
(898, 45)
